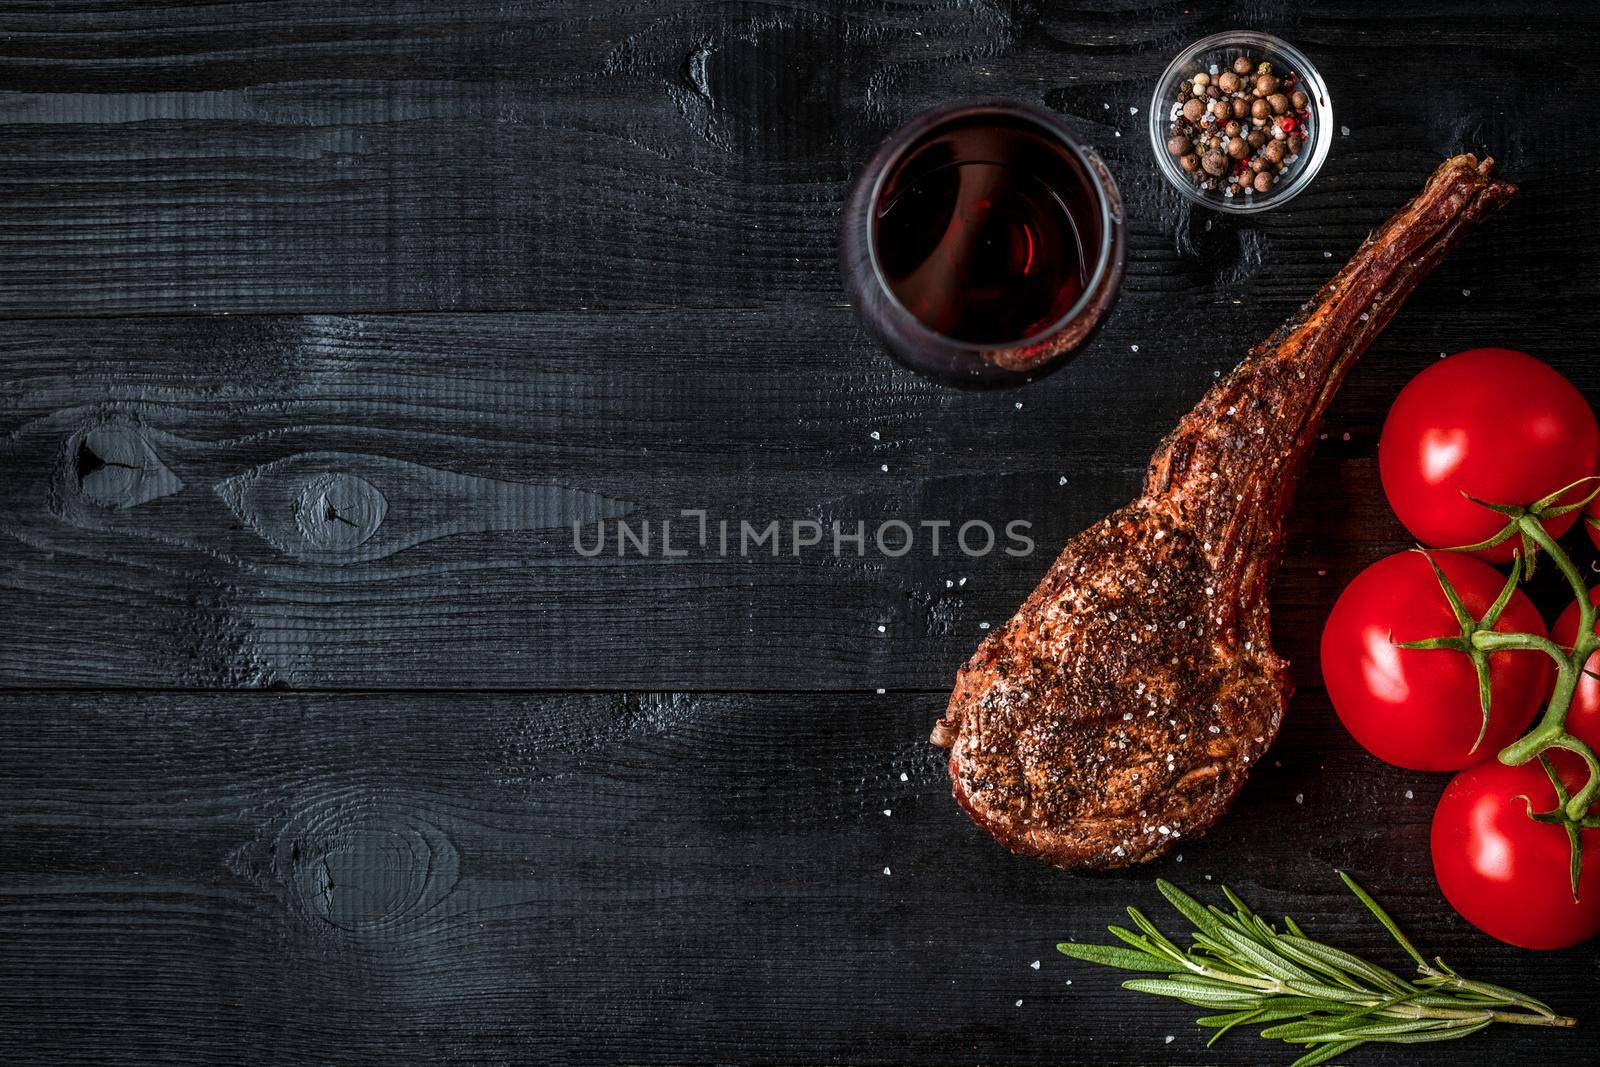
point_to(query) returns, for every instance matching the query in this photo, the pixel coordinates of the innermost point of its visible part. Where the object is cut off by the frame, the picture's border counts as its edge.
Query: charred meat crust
(1121, 708)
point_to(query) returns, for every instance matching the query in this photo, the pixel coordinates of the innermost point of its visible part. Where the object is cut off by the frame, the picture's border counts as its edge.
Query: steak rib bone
(1121, 708)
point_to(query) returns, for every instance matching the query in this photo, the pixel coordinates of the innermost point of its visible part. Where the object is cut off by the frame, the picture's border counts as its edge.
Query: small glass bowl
(1221, 49)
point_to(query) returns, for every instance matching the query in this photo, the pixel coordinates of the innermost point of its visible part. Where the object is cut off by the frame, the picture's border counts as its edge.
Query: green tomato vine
(1478, 639)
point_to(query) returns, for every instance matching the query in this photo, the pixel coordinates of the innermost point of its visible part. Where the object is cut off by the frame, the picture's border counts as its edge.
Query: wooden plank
(570, 879)
(292, 157)
(484, 435)
(161, 479)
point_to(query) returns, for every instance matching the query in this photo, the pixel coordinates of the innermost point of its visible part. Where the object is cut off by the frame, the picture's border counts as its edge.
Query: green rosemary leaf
(1490, 993)
(1201, 996)
(1325, 1053)
(1111, 956)
(1156, 937)
(1302, 1004)
(1137, 941)
(1376, 1031)
(1240, 908)
(1343, 1029)
(1383, 917)
(1226, 919)
(1452, 1034)
(1192, 909)
(1224, 1023)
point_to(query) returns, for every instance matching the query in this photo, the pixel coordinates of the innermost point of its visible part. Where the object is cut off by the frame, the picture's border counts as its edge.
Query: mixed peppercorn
(1236, 129)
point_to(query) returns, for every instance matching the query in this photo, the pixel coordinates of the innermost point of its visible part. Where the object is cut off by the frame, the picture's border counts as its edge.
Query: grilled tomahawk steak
(1122, 706)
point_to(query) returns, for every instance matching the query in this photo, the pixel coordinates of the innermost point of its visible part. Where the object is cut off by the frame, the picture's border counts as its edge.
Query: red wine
(978, 232)
(982, 245)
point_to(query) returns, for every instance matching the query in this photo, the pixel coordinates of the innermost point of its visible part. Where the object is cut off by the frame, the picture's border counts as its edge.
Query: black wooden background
(456, 794)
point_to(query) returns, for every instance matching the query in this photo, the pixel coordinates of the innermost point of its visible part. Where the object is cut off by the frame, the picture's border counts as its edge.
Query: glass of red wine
(982, 244)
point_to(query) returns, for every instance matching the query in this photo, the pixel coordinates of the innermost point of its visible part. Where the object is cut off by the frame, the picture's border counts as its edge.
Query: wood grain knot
(350, 507)
(339, 511)
(111, 465)
(359, 866)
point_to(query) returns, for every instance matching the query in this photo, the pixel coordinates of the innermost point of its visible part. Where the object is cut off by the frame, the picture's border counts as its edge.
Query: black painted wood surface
(512, 263)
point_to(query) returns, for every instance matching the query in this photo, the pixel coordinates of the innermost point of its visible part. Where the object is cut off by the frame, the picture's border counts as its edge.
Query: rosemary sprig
(1306, 993)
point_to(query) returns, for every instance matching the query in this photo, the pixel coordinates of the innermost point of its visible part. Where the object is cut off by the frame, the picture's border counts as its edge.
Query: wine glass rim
(923, 126)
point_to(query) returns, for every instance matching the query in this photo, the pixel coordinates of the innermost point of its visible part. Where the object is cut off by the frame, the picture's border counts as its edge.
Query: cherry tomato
(1506, 874)
(1419, 708)
(1583, 715)
(1491, 422)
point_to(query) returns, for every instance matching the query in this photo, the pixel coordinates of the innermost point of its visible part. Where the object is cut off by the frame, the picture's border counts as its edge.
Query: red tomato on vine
(1492, 423)
(1506, 873)
(1420, 708)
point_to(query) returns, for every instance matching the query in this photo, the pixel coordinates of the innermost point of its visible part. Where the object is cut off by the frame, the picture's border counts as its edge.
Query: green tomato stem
(1534, 531)
(1552, 729)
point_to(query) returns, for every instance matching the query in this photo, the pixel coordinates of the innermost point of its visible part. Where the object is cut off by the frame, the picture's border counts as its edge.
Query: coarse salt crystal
(1344, 131)
(1034, 965)
(904, 777)
(1299, 798)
